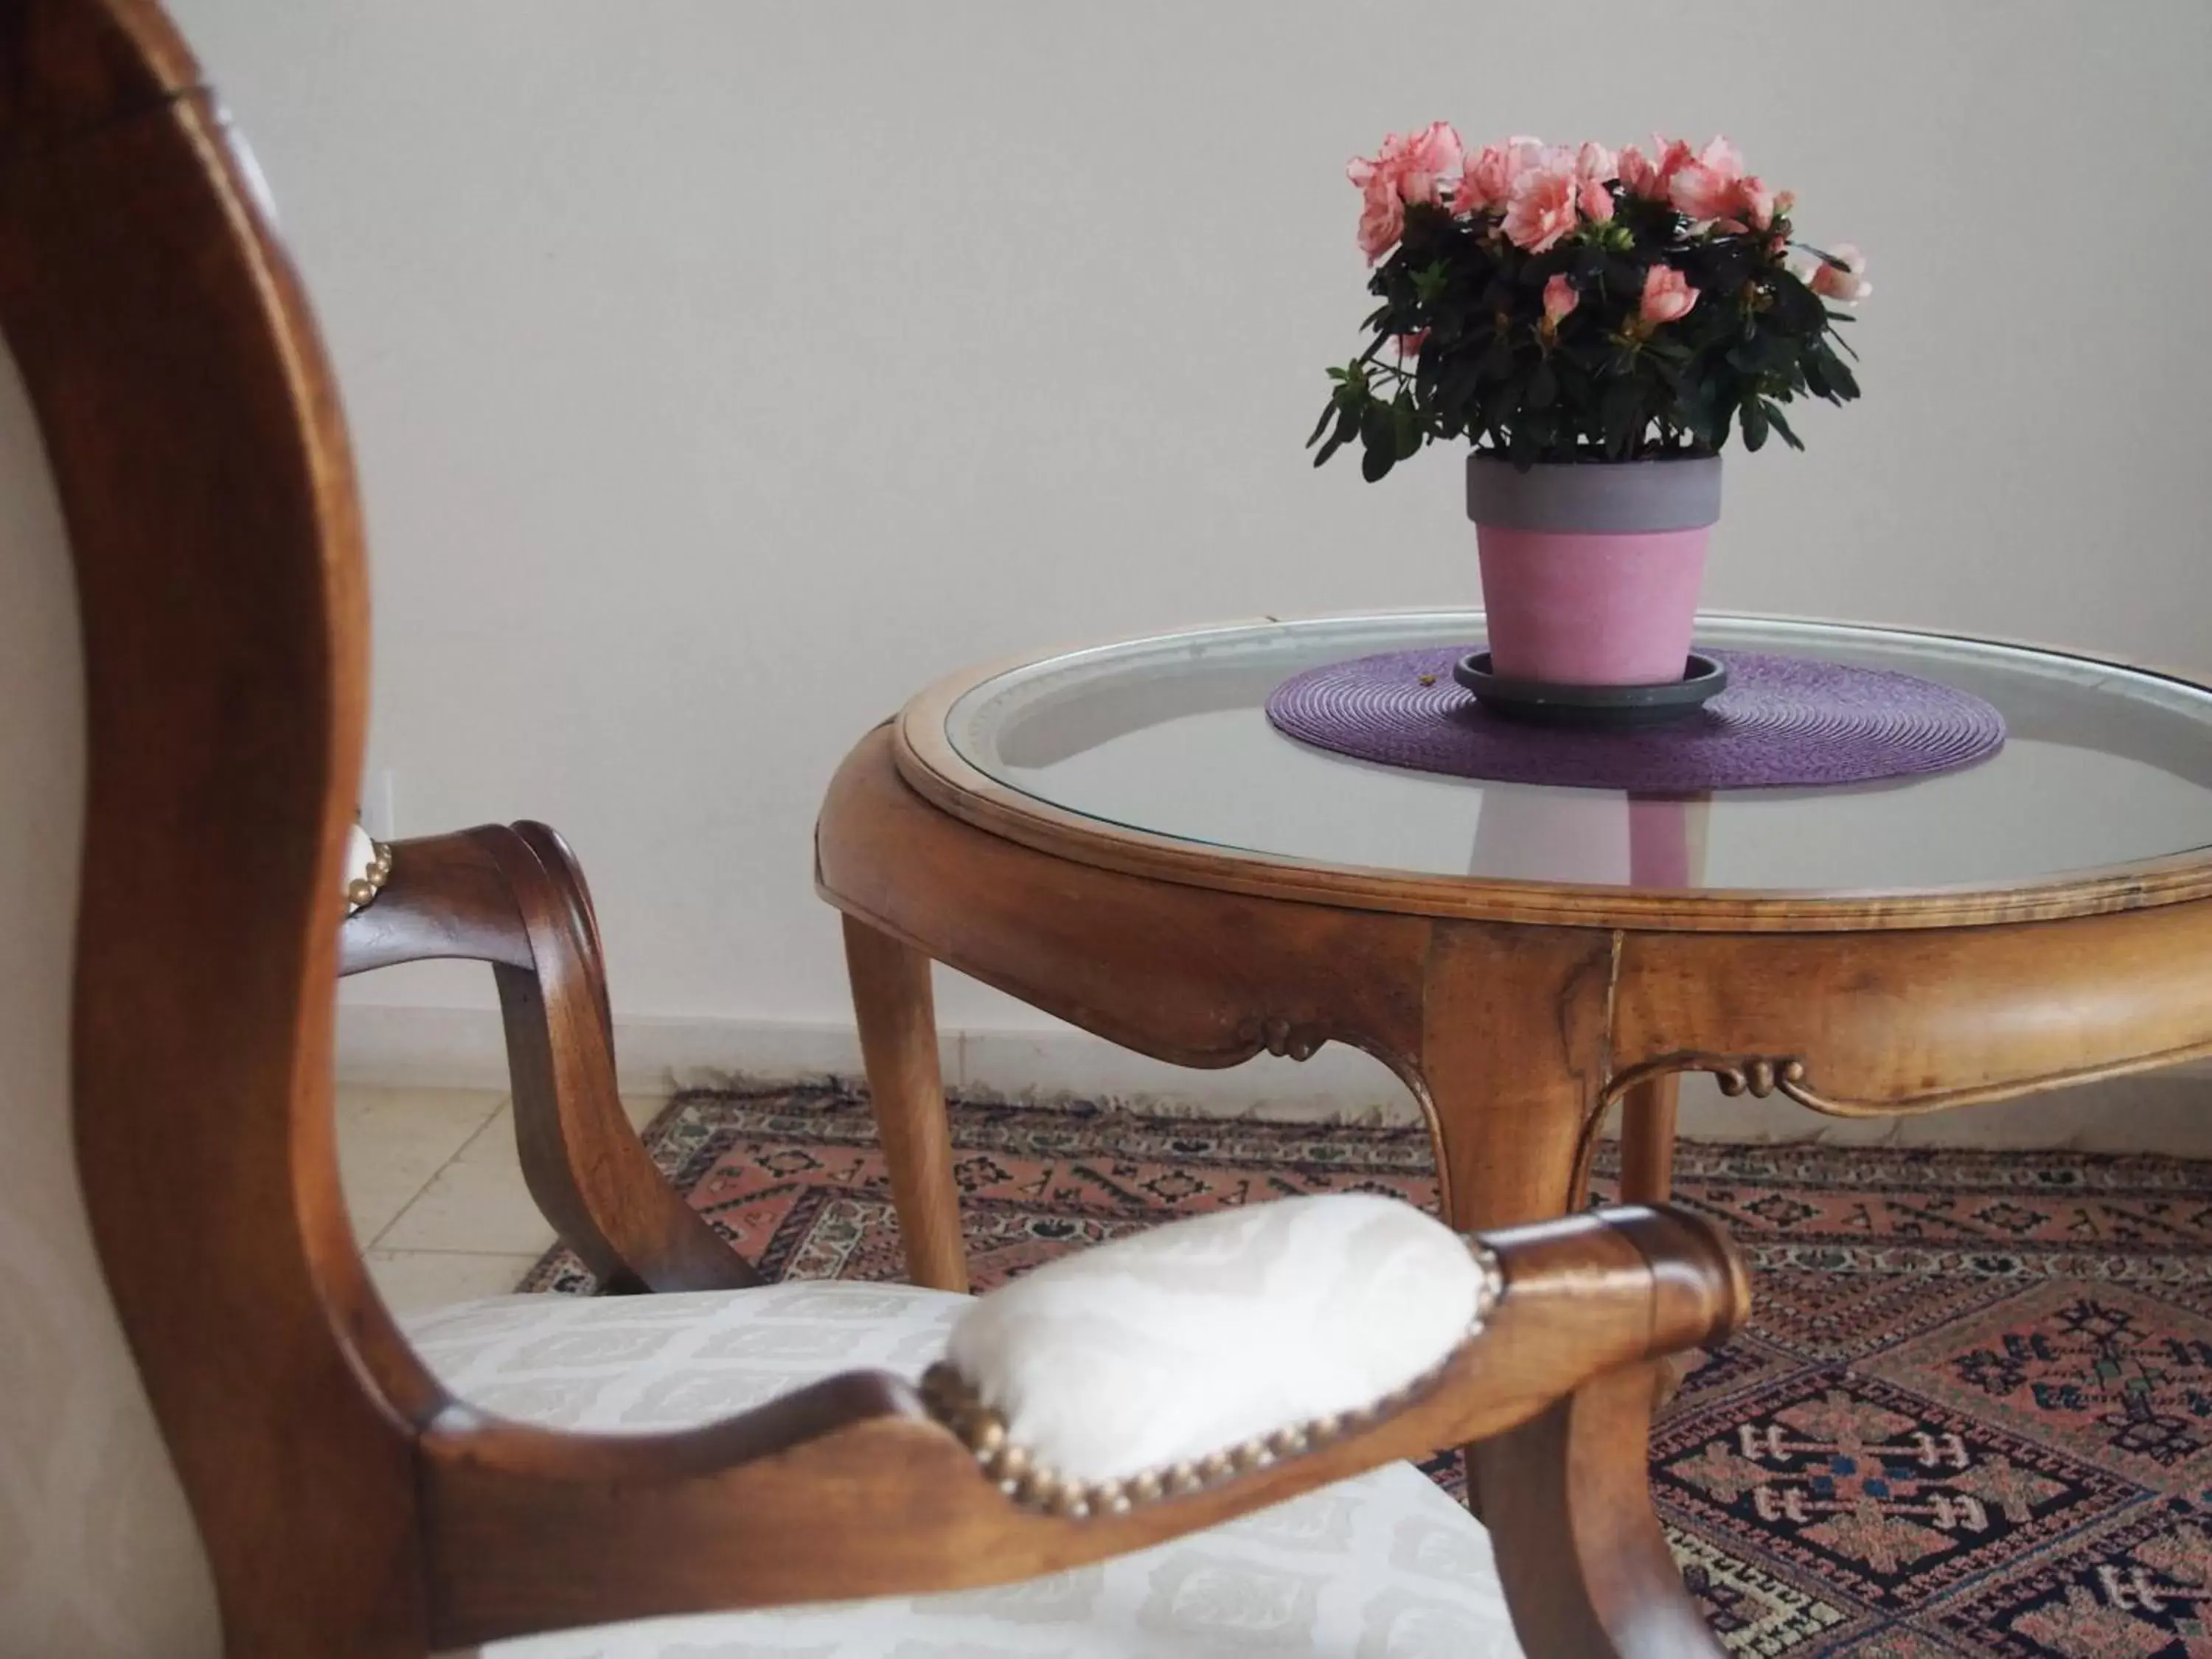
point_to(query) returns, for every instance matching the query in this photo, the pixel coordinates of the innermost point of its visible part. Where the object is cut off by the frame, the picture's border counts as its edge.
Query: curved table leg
(1513, 1051)
(1515, 1054)
(897, 1016)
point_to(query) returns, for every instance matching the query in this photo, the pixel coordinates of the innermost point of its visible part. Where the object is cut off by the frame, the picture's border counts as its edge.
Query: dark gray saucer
(1611, 708)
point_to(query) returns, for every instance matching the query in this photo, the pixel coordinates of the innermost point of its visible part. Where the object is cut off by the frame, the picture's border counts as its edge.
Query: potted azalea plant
(1596, 324)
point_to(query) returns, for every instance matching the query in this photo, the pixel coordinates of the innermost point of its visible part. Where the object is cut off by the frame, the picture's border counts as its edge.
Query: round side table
(1119, 837)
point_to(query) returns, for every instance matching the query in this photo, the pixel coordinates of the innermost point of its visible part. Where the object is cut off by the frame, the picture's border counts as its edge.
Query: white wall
(722, 372)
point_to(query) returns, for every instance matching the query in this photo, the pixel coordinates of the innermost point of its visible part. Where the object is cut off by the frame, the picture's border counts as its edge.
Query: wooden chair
(346, 1495)
(515, 896)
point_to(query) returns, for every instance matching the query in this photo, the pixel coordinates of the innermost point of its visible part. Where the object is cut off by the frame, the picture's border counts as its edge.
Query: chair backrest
(198, 463)
(86, 1488)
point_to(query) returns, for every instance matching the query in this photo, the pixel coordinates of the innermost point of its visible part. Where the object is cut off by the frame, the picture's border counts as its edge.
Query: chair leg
(584, 1163)
(1567, 1499)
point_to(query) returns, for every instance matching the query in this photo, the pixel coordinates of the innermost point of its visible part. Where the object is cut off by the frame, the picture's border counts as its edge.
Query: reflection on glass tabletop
(2102, 766)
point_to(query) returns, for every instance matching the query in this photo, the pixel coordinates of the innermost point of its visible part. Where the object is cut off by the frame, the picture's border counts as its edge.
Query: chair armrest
(1209, 1342)
(1182, 1357)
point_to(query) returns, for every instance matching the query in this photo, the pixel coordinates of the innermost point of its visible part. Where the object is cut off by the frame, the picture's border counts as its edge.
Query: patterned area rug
(1972, 1415)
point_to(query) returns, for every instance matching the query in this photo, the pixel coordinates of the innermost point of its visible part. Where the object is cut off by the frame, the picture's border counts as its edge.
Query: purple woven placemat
(1783, 721)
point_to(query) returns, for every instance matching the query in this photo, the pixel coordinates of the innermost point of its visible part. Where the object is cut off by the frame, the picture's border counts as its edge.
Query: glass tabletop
(2101, 766)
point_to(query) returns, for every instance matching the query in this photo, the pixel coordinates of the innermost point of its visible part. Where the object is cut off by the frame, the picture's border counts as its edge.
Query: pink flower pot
(1590, 570)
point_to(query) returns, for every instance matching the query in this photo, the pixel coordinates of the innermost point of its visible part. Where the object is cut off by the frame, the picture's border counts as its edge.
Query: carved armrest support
(513, 896)
(859, 1486)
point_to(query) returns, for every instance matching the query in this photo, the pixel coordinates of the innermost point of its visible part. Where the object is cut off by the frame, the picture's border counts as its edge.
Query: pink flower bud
(1668, 296)
(1560, 299)
(1846, 285)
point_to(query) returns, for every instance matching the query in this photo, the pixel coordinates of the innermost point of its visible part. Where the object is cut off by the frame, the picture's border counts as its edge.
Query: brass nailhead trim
(361, 890)
(952, 1400)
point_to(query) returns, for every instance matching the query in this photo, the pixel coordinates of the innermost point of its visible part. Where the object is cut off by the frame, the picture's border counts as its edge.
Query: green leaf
(1796, 307)
(1378, 434)
(1841, 381)
(1501, 404)
(1407, 424)
(1753, 415)
(1782, 426)
(1329, 413)
(1457, 384)
(1619, 412)
(1543, 386)
(1347, 428)
(1764, 352)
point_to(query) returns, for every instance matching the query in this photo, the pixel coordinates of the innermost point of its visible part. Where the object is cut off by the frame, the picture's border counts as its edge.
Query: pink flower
(1560, 299)
(1382, 218)
(1487, 183)
(1653, 180)
(1715, 188)
(1596, 200)
(1640, 174)
(1409, 346)
(1668, 297)
(1542, 207)
(1410, 168)
(1846, 285)
(1416, 166)
(1595, 162)
(1754, 205)
(1707, 187)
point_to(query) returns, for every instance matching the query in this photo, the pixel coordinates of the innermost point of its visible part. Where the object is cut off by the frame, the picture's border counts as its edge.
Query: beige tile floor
(436, 1191)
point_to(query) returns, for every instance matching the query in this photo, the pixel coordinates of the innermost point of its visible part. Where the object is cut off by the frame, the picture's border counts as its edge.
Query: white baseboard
(463, 1048)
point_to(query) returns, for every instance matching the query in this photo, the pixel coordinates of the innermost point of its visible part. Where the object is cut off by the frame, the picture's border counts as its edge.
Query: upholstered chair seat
(1153, 1352)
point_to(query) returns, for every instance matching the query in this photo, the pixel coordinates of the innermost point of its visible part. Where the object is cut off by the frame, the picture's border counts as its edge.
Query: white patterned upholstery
(1188, 1338)
(1382, 1567)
